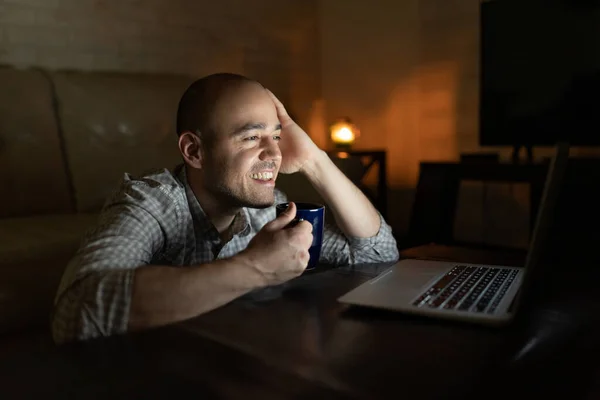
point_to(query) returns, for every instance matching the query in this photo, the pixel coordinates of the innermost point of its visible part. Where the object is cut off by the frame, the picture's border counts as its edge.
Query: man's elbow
(72, 320)
(374, 256)
(66, 318)
(388, 256)
(388, 253)
(393, 256)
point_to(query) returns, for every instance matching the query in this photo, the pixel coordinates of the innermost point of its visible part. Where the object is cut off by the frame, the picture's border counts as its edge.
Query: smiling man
(175, 244)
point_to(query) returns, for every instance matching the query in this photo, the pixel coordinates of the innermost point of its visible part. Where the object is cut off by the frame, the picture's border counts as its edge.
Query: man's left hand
(297, 148)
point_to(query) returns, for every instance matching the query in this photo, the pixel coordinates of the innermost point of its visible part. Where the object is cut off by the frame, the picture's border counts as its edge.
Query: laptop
(483, 294)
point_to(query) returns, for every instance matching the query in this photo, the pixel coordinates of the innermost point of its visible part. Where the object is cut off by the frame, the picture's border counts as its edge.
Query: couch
(66, 138)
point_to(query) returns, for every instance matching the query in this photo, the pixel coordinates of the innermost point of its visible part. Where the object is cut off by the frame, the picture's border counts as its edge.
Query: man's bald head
(200, 99)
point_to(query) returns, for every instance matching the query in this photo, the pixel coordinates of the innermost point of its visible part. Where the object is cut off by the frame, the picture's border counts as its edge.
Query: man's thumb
(284, 218)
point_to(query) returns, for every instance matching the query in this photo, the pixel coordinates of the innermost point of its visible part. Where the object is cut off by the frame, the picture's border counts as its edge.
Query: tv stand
(528, 151)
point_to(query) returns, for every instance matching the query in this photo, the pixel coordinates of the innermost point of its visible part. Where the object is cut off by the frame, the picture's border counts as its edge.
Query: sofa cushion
(115, 123)
(33, 254)
(32, 172)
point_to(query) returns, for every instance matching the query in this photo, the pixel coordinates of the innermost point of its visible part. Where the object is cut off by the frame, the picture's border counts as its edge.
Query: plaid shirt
(157, 220)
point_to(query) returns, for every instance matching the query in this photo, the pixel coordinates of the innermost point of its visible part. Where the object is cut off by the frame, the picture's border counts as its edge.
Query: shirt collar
(242, 223)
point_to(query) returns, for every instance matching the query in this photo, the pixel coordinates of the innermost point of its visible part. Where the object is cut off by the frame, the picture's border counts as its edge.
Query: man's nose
(270, 150)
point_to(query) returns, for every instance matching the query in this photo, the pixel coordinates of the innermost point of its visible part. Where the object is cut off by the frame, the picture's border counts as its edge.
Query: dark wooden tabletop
(296, 341)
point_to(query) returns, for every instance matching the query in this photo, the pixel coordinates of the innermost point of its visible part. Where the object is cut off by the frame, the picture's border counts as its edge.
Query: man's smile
(263, 177)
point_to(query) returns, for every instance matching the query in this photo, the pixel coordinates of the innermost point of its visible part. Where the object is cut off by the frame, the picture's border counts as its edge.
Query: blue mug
(315, 214)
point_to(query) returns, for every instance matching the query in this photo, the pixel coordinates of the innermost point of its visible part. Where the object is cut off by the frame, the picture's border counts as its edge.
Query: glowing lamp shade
(343, 133)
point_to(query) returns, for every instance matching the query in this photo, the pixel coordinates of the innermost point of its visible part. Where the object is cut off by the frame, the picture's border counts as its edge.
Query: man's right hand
(279, 253)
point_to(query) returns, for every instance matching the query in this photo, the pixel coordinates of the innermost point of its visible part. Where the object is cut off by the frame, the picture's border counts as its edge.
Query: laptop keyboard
(469, 288)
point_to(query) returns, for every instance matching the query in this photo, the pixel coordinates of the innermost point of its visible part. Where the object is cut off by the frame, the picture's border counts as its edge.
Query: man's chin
(260, 204)
(256, 202)
(260, 199)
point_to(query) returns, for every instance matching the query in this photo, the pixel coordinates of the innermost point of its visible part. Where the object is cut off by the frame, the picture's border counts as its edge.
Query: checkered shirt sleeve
(338, 249)
(95, 293)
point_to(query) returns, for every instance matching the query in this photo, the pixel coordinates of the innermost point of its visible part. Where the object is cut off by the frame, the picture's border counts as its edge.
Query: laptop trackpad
(400, 284)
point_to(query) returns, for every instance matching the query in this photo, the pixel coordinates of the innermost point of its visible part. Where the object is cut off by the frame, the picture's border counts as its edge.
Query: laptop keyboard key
(479, 288)
(510, 278)
(440, 285)
(468, 287)
(464, 290)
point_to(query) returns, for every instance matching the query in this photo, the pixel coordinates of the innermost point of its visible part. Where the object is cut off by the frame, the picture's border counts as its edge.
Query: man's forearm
(354, 213)
(163, 294)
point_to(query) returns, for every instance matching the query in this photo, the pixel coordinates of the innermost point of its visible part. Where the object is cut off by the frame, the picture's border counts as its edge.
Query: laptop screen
(534, 264)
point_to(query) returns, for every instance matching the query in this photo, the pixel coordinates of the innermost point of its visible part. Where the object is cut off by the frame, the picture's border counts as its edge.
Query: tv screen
(540, 72)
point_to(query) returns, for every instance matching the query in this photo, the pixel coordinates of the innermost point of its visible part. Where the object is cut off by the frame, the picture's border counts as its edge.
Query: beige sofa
(66, 138)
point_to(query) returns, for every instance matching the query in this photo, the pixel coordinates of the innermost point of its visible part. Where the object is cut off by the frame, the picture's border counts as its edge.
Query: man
(215, 215)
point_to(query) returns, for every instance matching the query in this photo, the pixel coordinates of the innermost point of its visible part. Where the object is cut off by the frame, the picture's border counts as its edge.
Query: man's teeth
(263, 176)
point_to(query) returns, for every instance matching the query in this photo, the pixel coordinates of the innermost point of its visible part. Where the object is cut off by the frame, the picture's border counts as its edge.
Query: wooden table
(296, 341)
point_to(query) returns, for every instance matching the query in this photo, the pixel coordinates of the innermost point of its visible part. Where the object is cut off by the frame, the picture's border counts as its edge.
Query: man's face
(242, 161)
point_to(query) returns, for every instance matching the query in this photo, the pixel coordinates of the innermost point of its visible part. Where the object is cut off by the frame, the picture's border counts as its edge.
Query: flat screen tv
(540, 72)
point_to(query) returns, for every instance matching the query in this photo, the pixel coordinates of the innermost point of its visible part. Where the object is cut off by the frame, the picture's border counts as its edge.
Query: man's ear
(190, 146)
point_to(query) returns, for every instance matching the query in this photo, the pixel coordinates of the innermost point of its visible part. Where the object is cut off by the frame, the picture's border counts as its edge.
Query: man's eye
(277, 137)
(251, 138)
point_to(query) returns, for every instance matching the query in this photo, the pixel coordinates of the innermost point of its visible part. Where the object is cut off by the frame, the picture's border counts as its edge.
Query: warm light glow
(343, 133)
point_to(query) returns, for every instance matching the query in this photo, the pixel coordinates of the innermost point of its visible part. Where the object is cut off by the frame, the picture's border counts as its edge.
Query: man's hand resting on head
(277, 252)
(297, 148)
(353, 212)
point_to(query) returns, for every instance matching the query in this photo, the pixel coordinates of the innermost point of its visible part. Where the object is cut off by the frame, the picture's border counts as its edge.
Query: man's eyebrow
(248, 127)
(252, 126)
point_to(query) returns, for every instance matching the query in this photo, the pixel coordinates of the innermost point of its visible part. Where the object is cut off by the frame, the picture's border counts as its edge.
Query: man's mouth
(262, 176)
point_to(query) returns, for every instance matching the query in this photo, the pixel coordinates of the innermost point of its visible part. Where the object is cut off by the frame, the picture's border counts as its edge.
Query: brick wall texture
(274, 41)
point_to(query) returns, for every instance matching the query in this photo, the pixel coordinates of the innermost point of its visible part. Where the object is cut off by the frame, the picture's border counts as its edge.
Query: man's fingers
(283, 219)
(306, 225)
(281, 111)
(304, 229)
(301, 225)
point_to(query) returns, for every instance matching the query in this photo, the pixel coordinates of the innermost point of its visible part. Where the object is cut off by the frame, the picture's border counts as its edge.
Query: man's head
(228, 135)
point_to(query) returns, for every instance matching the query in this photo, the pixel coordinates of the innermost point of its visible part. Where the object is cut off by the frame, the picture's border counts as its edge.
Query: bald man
(175, 244)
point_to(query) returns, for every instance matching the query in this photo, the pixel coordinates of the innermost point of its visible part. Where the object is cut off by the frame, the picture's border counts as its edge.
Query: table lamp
(343, 133)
